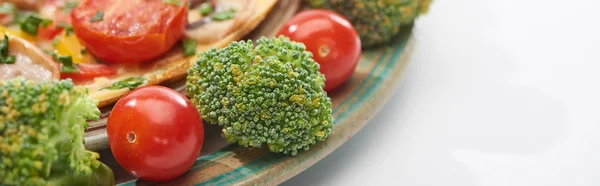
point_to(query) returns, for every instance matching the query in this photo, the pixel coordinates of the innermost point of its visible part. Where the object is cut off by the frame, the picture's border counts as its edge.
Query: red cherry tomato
(89, 72)
(331, 38)
(118, 31)
(155, 133)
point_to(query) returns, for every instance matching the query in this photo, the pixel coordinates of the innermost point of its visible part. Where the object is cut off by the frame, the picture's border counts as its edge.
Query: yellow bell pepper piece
(18, 33)
(70, 46)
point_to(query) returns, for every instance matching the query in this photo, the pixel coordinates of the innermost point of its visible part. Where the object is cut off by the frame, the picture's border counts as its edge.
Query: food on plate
(269, 94)
(87, 72)
(155, 133)
(376, 21)
(19, 58)
(99, 43)
(331, 39)
(25, 4)
(118, 32)
(222, 15)
(130, 83)
(42, 134)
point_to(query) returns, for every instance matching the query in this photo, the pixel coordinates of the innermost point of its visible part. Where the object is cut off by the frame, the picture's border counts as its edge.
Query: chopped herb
(7, 8)
(31, 23)
(69, 5)
(68, 28)
(19, 16)
(55, 40)
(98, 16)
(189, 47)
(172, 2)
(46, 22)
(206, 8)
(131, 83)
(83, 51)
(4, 57)
(224, 15)
(8, 60)
(49, 52)
(67, 63)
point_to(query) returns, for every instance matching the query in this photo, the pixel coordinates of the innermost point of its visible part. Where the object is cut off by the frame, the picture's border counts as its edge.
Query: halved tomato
(89, 72)
(117, 31)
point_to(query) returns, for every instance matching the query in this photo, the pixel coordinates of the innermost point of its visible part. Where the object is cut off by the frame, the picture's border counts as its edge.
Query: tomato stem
(131, 137)
(323, 50)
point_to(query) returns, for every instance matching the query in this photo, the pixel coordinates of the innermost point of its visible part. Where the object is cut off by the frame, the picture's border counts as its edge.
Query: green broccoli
(269, 94)
(42, 133)
(376, 21)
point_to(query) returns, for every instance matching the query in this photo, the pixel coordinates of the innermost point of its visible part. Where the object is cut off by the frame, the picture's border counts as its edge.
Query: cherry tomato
(57, 11)
(155, 133)
(331, 38)
(117, 31)
(89, 72)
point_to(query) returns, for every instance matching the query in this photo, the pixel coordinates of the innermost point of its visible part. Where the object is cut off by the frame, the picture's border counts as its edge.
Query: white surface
(498, 92)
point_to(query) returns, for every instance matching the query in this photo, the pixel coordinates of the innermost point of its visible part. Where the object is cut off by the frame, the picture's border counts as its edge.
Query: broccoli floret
(42, 133)
(376, 21)
(269, 94)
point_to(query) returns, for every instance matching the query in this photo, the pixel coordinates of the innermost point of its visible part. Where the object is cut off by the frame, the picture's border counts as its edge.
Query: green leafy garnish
(172, 2)
(7, 8)
(206, 8)
(19, 16)
(31, 23)
(49, 52)
(46, 22)
(98, 16)
(189, 47)
(68, 28)
(69, 5)
(55, 40)
(131, 83)
(224, 15)
(83, 51)
(4, 57)
(67, 63)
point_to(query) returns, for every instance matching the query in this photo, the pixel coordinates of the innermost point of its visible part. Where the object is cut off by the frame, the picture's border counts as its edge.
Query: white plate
(498, 92)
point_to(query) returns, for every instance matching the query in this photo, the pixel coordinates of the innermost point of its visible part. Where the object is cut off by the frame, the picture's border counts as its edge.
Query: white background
(498, 92)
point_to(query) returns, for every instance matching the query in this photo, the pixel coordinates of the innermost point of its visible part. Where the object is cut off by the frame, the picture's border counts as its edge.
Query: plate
(376, 78)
